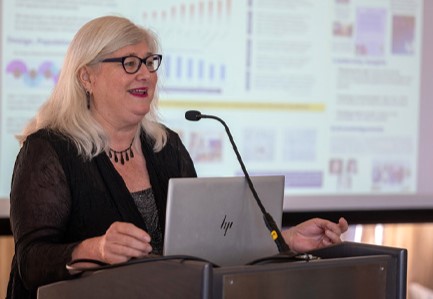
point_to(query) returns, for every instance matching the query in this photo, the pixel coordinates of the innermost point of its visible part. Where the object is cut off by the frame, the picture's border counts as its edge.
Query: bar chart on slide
(190, 11)
(201, 75)
(199, 46)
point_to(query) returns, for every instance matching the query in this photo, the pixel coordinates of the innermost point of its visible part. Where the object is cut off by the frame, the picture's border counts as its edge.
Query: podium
(347, 270)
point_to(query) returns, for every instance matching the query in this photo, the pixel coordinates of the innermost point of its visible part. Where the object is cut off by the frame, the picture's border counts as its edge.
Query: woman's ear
(84, 76)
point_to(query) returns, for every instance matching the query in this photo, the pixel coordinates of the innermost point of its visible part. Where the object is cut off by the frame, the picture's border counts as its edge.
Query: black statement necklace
(124, 155)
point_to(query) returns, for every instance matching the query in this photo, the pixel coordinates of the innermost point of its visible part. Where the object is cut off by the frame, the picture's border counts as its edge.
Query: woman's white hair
(66, 109)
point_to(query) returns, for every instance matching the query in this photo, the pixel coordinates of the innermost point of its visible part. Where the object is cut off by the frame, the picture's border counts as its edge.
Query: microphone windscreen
(193, 115)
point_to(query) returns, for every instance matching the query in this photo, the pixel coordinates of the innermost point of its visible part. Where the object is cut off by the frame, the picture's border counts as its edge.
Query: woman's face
(121, 100)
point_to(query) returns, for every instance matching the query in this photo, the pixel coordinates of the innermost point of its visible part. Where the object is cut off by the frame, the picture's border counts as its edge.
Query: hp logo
(226, 225)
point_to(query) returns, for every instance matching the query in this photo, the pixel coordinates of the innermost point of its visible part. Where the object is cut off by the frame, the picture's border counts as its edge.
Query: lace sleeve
(186, 165)
(40, 207)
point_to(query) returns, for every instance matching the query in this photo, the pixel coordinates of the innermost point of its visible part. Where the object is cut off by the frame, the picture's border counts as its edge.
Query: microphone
(194, 115)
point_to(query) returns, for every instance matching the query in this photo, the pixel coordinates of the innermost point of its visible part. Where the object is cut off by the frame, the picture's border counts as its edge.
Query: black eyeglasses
(131, 64)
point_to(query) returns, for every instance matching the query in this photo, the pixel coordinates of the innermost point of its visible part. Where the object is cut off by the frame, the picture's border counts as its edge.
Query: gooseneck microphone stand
(276, 235)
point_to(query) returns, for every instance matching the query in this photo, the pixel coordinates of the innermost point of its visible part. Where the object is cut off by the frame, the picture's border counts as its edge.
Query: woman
(91, 178)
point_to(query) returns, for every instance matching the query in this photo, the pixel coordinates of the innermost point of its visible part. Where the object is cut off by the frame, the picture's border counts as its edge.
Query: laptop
(217, 218)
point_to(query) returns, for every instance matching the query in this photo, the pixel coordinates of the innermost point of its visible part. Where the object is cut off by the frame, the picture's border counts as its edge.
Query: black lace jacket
(58, 200)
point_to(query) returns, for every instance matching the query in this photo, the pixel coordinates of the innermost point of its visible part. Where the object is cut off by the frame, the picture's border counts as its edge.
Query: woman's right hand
(121, 242)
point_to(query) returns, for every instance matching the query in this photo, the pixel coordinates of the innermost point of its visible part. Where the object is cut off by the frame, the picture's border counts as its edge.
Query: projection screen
(334, 94)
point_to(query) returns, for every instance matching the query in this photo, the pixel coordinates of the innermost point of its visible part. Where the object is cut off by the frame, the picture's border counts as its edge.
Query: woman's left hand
(314, 234)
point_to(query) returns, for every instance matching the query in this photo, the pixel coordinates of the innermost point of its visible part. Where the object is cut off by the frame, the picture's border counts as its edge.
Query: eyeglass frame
(143, 61)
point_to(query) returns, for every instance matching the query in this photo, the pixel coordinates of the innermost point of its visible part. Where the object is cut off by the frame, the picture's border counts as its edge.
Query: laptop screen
(218, 219)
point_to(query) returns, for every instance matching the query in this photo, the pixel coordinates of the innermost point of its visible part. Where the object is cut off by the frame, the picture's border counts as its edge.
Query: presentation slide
(336, 95)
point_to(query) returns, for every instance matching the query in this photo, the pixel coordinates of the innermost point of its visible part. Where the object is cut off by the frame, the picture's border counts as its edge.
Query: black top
(58, 199)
